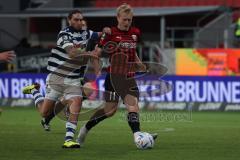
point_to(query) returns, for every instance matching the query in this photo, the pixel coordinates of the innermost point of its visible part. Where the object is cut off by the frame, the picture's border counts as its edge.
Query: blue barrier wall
(152, 88)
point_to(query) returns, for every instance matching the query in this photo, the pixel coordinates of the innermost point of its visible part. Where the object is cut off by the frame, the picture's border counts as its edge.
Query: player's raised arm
(96, 61)
(7, 56)
(99, 49)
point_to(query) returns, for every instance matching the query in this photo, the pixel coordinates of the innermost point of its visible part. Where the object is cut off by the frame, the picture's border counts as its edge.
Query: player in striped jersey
(64, 66)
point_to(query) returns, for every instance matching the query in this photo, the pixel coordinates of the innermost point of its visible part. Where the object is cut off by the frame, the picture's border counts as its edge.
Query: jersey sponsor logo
(127, 45)
(112, 46)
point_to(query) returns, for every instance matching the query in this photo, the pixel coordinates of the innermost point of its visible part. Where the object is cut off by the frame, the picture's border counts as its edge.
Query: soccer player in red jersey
(120, 46)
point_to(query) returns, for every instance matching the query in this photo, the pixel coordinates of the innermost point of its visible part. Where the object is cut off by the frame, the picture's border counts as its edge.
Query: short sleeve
(64, 40)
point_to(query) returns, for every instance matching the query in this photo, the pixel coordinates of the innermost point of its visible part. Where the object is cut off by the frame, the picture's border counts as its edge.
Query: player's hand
(7, 56)
(106, 30)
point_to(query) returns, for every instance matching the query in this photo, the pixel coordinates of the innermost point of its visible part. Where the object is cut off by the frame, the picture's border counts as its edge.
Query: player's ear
(69, 21)
(118, 17)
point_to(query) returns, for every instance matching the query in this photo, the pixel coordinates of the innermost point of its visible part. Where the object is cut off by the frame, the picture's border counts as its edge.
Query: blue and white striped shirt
(59, 62)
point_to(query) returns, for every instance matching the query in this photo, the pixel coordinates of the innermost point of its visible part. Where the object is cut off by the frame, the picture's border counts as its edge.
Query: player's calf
(107, 111)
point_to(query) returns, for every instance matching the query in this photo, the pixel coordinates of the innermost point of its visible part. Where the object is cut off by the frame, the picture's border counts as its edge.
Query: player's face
(76, 21)
(124, 21)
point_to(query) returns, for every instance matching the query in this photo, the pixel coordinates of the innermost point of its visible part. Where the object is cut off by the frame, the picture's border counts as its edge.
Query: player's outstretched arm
(74, 52)
(7, 56)
(96, 61)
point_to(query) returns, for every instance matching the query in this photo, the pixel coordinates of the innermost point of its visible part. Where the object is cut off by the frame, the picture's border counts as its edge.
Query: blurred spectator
(237, 33)
(237, 30)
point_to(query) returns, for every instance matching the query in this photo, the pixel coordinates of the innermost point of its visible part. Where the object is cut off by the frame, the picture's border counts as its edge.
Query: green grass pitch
(182, 136)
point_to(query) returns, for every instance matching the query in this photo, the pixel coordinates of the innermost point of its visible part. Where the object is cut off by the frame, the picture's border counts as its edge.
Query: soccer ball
(144, 140)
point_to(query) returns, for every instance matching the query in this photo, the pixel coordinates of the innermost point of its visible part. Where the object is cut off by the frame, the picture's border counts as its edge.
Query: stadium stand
(167, 3)
(188, 22)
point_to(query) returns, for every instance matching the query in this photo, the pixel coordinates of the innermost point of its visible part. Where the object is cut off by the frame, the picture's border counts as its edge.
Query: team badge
(134, 37)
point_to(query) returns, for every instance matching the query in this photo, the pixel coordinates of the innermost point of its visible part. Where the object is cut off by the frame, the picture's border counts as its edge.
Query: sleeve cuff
(66, 45)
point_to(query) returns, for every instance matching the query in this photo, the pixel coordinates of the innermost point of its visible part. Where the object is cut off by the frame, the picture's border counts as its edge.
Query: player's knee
(87, 89)
(75, 101)
(45, 113)
(130, 100)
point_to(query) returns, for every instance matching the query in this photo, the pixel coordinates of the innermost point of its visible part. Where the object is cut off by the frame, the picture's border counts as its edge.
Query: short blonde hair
(126, 8)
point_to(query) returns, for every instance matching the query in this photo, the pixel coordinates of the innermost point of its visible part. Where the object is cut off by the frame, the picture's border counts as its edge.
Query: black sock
(95, 119)
(49, 118)
(133, 121)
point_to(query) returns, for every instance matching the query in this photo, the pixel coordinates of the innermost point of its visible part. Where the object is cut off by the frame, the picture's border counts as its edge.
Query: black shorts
(119, 86)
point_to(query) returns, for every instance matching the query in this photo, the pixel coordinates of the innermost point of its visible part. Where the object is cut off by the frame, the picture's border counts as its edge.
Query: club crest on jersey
(134, 37)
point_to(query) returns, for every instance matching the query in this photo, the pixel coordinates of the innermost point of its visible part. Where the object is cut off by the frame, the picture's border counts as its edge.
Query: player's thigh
(124, 86)
(129, 93)
(72, 89)
(110, 95)
(53, 89)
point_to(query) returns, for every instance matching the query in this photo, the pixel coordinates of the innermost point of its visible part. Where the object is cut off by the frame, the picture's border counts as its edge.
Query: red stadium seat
(138, 3)
(216, 2)
(153, 3)
(236, 3)
(229, 3)
(163, 3)
(171, 3)
(133, 3)
(98, 3)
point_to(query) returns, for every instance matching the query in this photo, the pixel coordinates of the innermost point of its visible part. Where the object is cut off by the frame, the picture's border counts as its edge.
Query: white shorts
(57, 86)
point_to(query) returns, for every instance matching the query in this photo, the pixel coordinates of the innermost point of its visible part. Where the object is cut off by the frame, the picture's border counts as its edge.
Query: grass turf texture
(208, 136)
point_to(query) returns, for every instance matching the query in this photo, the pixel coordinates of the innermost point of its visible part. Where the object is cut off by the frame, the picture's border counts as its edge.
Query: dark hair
(70, 14)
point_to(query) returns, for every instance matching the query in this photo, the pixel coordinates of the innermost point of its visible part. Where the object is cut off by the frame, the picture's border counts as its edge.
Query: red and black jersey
(121, 47)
